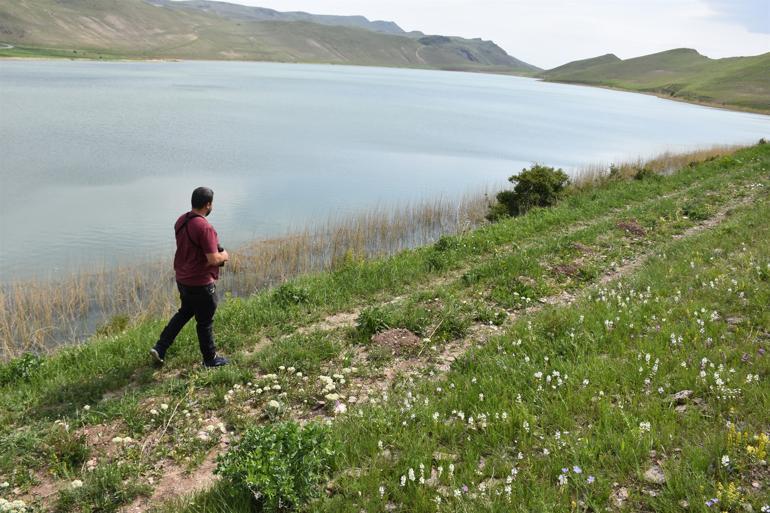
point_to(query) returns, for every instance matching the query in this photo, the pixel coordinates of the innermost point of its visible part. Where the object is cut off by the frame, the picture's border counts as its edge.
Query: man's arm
(216, 259)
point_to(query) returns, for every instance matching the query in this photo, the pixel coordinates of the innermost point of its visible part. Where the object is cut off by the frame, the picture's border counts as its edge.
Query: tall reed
(37, 316)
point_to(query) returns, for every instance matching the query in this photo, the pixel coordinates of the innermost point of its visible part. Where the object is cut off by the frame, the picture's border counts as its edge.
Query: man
(196, 265)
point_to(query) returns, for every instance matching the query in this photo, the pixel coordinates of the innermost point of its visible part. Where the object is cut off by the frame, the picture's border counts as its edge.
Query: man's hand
(217, 259)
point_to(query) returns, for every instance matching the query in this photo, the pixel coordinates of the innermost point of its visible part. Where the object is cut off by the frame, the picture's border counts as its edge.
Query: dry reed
(37, 316)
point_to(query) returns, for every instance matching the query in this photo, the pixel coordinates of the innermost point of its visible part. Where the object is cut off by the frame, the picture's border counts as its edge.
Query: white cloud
(548, 33)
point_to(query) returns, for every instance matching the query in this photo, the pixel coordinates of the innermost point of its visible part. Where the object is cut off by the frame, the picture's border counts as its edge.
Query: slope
(742, 82)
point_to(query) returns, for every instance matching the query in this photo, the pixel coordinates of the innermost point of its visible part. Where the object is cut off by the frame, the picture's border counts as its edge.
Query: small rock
(682, 408)
(748, 508)
(655, 475)
(443, 456)
(684, 504)
(619, 497)
(681, 397)
(526, 280)
(756, 485)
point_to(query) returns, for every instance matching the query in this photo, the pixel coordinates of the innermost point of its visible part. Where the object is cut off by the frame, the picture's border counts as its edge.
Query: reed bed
(664, 163)
(37, 316)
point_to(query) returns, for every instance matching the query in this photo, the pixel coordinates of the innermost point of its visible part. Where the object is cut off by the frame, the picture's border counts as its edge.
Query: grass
(522, 366)
(735, 82)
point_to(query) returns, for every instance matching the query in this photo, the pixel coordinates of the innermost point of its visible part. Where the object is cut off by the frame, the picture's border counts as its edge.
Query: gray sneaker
(157, 354)
(217, 361)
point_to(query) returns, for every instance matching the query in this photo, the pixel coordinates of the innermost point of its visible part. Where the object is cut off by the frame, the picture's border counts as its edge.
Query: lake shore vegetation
(609, 351)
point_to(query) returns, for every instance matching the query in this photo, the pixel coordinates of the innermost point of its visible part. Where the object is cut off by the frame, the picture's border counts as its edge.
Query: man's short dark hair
(201, 197)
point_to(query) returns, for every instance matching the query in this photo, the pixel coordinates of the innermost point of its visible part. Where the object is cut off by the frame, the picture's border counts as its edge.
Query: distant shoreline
(714, 105)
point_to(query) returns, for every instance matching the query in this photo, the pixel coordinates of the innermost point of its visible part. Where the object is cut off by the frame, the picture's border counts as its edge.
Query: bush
(290, 294)
(281, 464)
(66, 451)
(371, 320)
(539, 186)
(19, 369)
(697, 210)
(646, 173)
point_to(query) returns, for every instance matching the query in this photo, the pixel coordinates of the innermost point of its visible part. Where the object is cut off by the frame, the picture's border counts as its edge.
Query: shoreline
(713, 105)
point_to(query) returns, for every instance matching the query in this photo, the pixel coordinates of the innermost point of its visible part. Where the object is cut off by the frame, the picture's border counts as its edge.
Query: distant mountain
(247, 13)
(200, 29)
(681, 73)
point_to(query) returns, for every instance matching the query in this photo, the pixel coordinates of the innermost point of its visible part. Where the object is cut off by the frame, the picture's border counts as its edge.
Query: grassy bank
(681, 74)
(614, 335)
(41, 315)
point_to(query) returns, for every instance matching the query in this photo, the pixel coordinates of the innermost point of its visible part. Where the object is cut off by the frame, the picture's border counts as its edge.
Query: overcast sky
(548, 33)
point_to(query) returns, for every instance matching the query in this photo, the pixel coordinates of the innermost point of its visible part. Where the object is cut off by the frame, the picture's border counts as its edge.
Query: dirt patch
(333, 322)
(175, 482)
(400, 341)
(569, 270)
(43, 494)
(99, 438)
(633, 227)
(586, 250)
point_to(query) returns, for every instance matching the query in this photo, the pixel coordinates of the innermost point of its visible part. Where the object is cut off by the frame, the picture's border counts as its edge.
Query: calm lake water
(98, 159)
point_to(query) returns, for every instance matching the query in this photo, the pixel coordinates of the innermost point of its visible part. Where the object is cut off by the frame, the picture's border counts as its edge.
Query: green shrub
(19, 369)
(697, 210)
(290, 294)
(282, 464)
(446, 243)
(646, 173)
(436, 260)
(539, 186)
(66, 450)
(371, 320)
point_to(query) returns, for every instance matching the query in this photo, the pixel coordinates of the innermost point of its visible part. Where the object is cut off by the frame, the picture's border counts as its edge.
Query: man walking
(196, 265)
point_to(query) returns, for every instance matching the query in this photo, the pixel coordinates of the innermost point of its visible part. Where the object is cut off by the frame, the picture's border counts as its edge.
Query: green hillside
(608, 353)
(209, 30)
(742, 82)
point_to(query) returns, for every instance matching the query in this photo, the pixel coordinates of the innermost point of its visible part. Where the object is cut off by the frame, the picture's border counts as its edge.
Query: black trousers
(200, 302)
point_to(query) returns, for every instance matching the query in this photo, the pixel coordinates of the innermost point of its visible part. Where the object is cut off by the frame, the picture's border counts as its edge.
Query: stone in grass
(681, 397)
(655, 475)
(619, 497)
(444, 456)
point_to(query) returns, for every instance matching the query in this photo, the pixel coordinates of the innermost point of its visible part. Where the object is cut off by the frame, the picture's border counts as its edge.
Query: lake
(98, 159)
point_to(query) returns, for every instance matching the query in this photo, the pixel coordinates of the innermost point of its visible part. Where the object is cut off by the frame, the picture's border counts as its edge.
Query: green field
(736, 82)
(607, 352)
